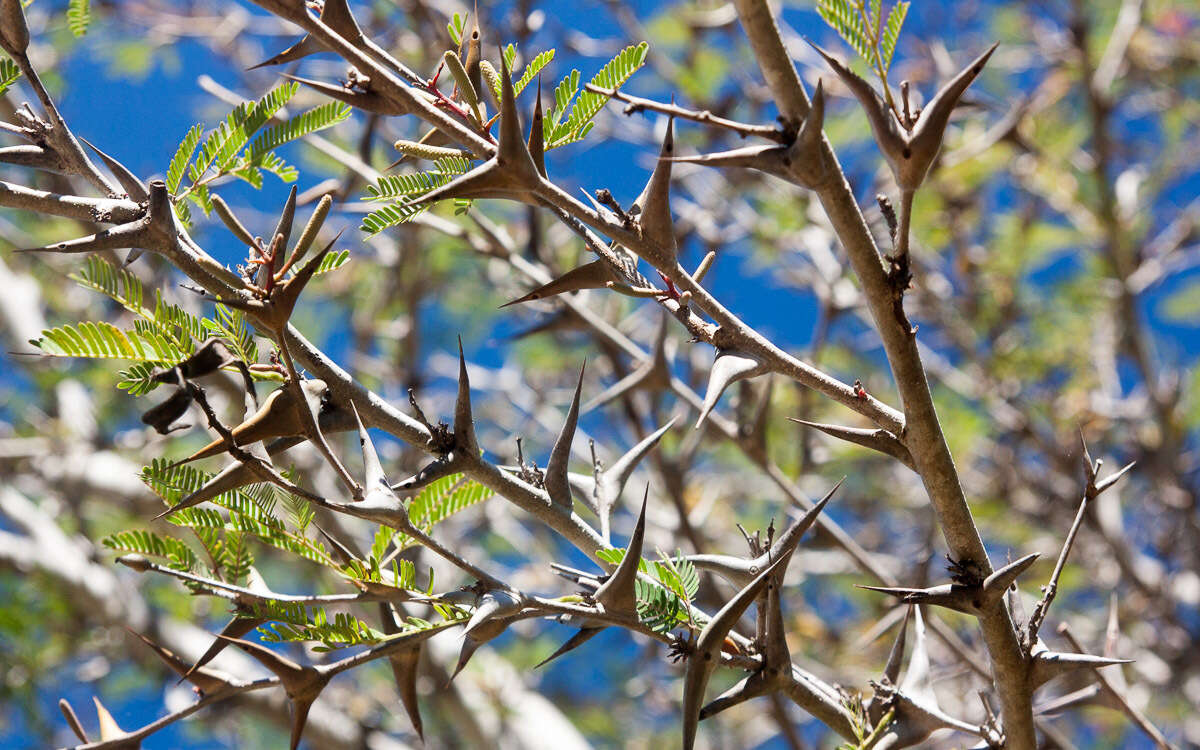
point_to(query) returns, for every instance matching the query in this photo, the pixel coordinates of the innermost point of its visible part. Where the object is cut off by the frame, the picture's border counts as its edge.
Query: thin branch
(639, 104)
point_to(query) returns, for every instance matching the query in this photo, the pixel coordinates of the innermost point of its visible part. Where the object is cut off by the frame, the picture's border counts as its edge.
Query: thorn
(729, 366)
(368, 100)
(464, 423)
(707, 653)
(618, 592)
(593, 275)
(655, 201)
(537, 143)
(556, 482)
(582, 636)
(128, 181)
(72, 719)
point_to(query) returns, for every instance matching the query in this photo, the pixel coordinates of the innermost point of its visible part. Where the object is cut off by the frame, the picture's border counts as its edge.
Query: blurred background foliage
(1056, 292)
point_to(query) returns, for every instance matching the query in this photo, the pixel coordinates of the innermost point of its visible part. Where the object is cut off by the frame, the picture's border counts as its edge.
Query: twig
(638, 104)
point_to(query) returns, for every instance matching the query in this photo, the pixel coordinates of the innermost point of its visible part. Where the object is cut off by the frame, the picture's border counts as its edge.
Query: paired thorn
(969, 598)
(909, 152)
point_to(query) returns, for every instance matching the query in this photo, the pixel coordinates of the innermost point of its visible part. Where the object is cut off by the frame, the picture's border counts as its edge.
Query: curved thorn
(891, 669)
(998, 582)
(537, 137)
(235, 628)
(128, 181)
(730, 366)
(877, 439)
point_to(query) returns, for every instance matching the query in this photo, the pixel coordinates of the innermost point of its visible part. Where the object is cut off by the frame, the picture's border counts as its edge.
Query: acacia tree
(956, 390)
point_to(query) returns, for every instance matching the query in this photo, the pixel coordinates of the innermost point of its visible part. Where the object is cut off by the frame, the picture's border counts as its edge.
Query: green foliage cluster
(569, 121)
(228, 149)
(664, 603)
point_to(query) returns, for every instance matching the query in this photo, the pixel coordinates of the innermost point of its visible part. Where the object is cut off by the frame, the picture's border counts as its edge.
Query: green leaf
(79, 15)
(333, 261)
(410, 186)
(532, 69)
(100, 340)
(660, 609)
(183, 155)
(177, 554)
(845, 19)
(120, 285)
(199, 195)
(299, 510)
(317, 118)
(678, 575)
(345, 630)
(383, 537)
(183, 213)
(172, 483)
(230, 325)
(891, 33)
(224, 143)
(9, 73)
(445, 497)
(564, 92)
(238, 558)
(136, 379)
(271, 162)
(612, 76)
(176, 323)
(455, 28)
(405, 188)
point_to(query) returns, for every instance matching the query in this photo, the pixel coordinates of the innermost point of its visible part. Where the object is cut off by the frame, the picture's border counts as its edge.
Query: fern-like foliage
(333, 261)
(229, 150)
(846, 18)
(230, 325)
(455, 28)
(402, 189)
(532, 68)
(250, 512)
(561, 128)
(118, 284)
(862, 26)
(678, 575)
(659, 609)
(176, 553)
(665, 603)
(183, 156)
(310, 121)
(162, 336)
(9, 73)
(299, 511)
(443, 498)
(100, 340)
(292, 622)
(172, 483)
(79, 16)
(891, 34)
